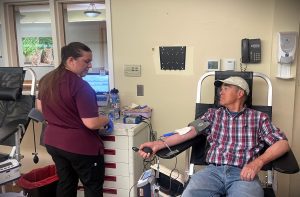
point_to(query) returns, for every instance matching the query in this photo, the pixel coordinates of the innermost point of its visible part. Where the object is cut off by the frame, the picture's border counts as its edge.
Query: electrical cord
(131, 188)
(241, 66)
(152, 135)
(169, 189)
(148, 163)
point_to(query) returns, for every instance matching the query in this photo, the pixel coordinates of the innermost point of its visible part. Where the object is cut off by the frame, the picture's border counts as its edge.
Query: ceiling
(74, 12)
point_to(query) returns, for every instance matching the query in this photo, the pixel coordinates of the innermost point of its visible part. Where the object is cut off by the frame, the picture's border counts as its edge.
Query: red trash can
(40, 182)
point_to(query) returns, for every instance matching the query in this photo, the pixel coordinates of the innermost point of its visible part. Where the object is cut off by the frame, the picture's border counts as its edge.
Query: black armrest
(286, 164)
(177, 149)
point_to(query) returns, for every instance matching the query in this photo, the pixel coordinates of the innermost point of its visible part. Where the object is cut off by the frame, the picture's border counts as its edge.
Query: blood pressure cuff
(199, 125)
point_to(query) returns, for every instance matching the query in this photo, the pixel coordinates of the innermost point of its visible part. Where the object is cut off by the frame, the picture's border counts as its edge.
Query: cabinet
(123, 166)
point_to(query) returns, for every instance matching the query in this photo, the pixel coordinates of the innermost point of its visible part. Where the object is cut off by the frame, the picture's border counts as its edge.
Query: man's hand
(251, 169)
(155, 146)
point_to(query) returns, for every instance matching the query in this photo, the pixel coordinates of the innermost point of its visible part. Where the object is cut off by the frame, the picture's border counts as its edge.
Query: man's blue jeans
(222, 180)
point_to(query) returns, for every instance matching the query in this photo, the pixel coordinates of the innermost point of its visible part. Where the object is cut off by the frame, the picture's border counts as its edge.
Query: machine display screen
(100, 83)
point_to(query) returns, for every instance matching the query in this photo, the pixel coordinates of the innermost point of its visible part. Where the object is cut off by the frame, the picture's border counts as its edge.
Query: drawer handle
(109, 152)
(110, 178)
(109, 191)
(110, 165)
(109, 138)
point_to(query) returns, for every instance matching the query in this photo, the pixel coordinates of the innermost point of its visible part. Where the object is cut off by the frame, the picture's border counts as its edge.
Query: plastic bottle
(115, 103)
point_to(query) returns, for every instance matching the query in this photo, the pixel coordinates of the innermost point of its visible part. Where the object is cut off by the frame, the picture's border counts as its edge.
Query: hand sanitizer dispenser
(287, 44)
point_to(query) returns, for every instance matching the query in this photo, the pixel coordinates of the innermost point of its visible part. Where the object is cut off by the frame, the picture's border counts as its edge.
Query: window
(34, 38)
(35, 31)
(88, 30)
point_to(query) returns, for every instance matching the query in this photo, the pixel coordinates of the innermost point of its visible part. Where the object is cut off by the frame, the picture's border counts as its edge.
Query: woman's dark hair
(49, 83)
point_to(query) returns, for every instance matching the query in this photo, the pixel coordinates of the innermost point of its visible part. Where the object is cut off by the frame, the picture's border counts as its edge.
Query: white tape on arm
(183, 131)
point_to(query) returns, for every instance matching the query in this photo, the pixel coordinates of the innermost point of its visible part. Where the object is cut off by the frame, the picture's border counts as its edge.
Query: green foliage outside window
(31, 44)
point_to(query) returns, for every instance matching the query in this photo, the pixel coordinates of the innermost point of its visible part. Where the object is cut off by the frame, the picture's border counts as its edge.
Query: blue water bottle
(115, 103)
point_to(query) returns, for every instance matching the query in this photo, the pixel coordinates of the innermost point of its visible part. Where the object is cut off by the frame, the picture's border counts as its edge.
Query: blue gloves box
(132, 119)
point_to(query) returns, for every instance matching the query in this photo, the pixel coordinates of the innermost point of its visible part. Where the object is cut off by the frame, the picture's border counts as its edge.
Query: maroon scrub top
(65, 129)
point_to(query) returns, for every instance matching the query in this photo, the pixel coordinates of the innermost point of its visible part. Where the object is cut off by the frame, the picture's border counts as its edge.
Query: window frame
(9, 38)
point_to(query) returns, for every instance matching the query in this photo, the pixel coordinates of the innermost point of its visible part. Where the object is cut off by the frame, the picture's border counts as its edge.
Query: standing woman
(71, 136)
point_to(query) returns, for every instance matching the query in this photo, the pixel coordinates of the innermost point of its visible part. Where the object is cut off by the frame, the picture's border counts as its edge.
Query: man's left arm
(276, 150)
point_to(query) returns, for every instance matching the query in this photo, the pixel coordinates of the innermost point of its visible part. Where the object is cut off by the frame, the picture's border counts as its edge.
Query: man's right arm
(170, 141)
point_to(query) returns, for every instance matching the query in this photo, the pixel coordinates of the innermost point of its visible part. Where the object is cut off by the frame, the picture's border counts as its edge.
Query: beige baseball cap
(237, 81)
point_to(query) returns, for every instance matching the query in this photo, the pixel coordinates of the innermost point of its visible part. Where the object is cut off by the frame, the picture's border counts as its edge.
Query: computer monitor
(100, 83)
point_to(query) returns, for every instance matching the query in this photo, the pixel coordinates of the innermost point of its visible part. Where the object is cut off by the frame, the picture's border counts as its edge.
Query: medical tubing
(165, 143)
(152, 136)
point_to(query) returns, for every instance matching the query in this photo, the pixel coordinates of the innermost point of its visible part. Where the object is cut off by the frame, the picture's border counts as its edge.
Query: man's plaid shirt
(237, 139)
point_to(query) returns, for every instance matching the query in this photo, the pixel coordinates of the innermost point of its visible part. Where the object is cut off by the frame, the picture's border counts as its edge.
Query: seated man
(236, 135)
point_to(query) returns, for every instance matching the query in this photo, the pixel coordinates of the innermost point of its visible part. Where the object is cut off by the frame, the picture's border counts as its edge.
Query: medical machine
(9, 171)
(100, 83)
(146, 183)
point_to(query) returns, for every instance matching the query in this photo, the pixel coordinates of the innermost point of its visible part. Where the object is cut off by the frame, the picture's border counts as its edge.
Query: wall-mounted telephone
(251, 50)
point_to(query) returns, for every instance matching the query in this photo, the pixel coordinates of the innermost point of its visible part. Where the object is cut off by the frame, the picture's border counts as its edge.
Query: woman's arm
(39, 105)
(96, 122)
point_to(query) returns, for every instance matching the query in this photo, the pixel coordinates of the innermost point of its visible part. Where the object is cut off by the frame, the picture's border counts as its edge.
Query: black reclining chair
(14, 109)
(285, 164)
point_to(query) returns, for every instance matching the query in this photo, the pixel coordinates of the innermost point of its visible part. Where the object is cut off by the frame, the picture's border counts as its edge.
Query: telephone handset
(251, 50)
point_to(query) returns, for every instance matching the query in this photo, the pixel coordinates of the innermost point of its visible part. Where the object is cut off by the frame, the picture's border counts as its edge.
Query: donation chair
(14, 109)
(285, 164)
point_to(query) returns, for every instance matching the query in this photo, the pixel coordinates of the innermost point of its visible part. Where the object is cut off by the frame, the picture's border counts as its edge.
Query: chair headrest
(9, 94)
(11, 82)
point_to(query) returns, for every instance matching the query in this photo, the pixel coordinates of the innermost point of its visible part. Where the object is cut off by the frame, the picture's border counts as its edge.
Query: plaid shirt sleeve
(269, 132)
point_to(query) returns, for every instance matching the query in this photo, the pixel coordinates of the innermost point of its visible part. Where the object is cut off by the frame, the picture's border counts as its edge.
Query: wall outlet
(140, 90)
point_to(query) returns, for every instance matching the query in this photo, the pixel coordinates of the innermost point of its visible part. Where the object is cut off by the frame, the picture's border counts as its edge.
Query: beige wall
(212, 29)
(286, 111)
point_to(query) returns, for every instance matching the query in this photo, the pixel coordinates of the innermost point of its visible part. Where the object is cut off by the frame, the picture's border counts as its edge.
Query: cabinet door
(113, 192)
(115, 142)
(113, 168)
(115, 155)
(120, 182)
